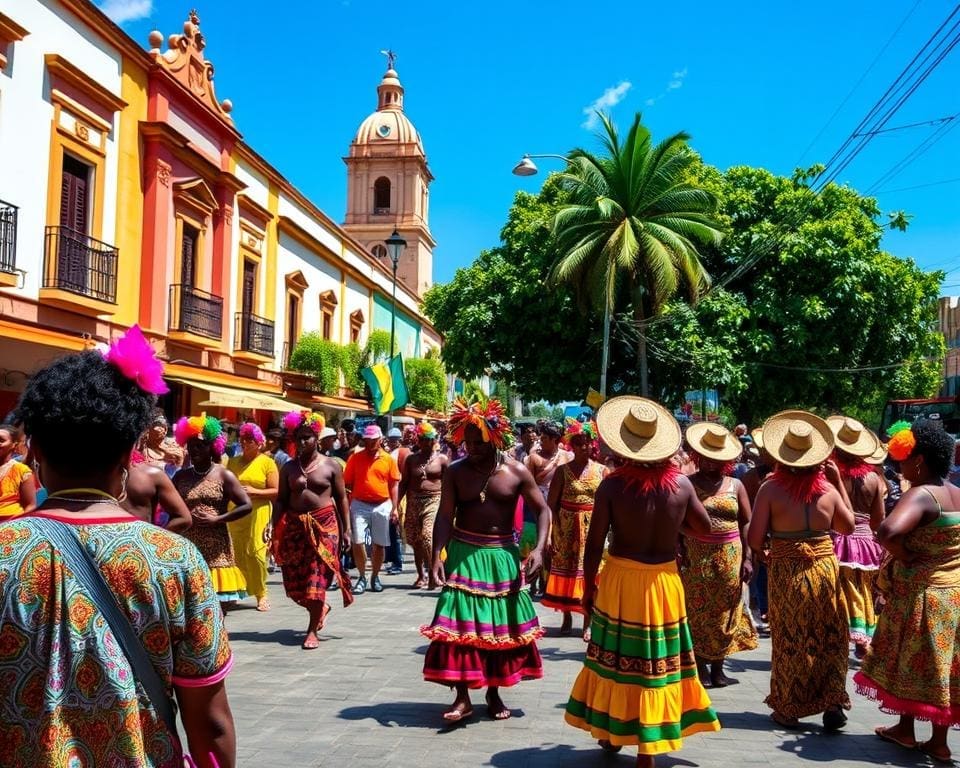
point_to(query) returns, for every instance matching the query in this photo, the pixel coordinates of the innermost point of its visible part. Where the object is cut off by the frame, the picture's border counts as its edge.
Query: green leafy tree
(426, 383)
(320, 358)
(498, 315)
(377, 348)
(634, 215)
(349, 360)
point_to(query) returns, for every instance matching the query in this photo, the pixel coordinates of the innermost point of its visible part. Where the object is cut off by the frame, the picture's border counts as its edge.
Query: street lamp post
(526, 167)
(395, 245)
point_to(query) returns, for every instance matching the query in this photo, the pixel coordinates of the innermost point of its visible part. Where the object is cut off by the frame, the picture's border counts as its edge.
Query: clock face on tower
(383, 130)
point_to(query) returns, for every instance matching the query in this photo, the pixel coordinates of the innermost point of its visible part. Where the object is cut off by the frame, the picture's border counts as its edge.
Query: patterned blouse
(723, 507)
(68, 695)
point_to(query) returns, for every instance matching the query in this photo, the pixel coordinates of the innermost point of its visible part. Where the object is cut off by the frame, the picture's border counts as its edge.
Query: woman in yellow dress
(258, 475)
(17, 491)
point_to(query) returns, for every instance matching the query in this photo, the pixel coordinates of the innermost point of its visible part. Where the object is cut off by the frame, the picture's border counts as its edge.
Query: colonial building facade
(127, 195)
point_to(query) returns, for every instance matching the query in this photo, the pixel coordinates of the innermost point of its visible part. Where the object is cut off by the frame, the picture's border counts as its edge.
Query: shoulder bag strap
(84, 567)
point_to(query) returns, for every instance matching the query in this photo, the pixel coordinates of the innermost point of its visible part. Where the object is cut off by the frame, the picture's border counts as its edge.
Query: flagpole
(395, 245)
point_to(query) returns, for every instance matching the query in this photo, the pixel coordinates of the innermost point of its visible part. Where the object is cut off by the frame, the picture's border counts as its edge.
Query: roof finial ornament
(391, 57)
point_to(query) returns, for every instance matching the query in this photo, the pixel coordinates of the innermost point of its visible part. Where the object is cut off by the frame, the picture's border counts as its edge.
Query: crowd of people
(648, 531)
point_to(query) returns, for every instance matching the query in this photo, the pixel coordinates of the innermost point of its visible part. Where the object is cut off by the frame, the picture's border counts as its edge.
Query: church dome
(388, 129)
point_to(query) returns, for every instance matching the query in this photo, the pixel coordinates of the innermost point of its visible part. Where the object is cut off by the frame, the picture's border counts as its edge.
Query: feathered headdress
(426, 430)
(902, 442)
(132, 355)
(490, 419)
(252, 431)
(296, 419)
(574, 428)
(205, 427)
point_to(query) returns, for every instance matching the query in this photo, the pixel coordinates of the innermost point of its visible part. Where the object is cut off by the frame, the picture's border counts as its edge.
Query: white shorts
(372, 518)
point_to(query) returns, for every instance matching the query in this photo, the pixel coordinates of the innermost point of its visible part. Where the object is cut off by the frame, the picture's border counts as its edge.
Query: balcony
(195, 312)
(253, 334)
(8, 239)
(81, 265)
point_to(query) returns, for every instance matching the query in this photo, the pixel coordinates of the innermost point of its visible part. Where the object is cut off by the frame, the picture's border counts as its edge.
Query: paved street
(359, 701)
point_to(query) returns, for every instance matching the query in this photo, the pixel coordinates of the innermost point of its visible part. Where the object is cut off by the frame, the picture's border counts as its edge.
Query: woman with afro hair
(911, 667)
(99, 711)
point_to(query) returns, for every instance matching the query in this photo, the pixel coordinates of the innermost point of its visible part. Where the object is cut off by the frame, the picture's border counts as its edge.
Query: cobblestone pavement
(359, 701)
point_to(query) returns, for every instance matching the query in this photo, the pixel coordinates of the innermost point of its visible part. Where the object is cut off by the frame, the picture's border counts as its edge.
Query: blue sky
(753, 83)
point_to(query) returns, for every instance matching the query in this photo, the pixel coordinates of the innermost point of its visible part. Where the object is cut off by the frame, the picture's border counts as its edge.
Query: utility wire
(924, 123)
(918, 186)
(913, 155)
(859, 82)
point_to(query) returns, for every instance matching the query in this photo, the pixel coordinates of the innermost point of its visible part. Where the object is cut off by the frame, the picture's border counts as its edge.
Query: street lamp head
(395, 245)
(526, 167)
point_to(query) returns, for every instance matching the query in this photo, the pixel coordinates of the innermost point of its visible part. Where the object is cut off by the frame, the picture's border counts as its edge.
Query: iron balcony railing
(80, 264)
(8, 237)
(253, 333)
(195, 311)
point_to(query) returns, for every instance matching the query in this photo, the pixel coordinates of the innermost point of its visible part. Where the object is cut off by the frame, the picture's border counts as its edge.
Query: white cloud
(674, 83)
(122, 11)
(608, 100)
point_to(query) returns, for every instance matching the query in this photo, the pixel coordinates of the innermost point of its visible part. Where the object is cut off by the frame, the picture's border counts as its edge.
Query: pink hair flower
(132, 355)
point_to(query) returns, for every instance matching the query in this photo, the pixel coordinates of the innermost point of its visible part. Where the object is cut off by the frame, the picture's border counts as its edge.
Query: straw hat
(852, 437)
(638, 429)
(757, 435)
(797, 439)
(713, 441)
(878, 456)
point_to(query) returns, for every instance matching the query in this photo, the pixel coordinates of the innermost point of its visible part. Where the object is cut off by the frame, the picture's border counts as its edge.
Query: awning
(229, 397)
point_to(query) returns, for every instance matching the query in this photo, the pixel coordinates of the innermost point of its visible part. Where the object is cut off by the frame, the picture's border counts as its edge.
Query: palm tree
(634, 217)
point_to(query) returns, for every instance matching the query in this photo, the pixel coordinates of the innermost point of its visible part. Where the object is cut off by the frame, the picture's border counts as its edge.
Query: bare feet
(323, 618)
(461, 710)
(263, 605)
(495, 706)
(894, 735)
(420, 583)
(644, 761)
(938, 753)
(311, 642)
(567, 623)
(431, 584)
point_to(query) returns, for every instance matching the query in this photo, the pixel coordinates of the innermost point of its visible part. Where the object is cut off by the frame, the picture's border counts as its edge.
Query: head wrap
(204, 427)
(426, 431)
(902, 442)
(252, 431)
(296, 419)
(574, 428)
(490, 419)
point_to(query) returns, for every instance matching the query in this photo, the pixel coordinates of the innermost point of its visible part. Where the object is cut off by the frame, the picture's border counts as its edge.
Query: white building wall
(320, 275)
(26, 115)
(357, 297)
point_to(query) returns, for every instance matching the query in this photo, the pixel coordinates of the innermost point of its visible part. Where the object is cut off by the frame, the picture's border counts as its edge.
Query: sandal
(887, 735)
(263, 605)
(606, 746)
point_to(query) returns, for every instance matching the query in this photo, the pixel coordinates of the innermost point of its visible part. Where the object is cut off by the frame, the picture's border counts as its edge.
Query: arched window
(381, 195)
(380, 251)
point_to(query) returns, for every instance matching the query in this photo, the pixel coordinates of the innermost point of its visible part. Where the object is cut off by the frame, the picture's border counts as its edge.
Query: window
(328, 305)
(380, 251)
(381, 195)
(74, 200)
(356, 326)
(188, 255)
(293, 319)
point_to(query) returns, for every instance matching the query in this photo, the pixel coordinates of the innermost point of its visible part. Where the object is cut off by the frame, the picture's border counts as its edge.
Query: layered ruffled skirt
(485, 627)
(639, 681)
(564, 591)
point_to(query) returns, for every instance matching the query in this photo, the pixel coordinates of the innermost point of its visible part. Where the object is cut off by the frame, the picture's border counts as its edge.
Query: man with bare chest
(484, 630)
(543, 460)
(310, 524)
(639, 683)
(147, 488)
(420, 478)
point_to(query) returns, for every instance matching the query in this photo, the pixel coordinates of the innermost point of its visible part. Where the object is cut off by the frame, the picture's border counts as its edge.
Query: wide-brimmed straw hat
(878, 456)
(852, 437)
(757, 435)
(638, 429)
(797, 439)
(713, 441)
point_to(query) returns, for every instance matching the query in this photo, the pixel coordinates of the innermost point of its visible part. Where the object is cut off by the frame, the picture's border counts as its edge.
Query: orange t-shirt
(369, 477)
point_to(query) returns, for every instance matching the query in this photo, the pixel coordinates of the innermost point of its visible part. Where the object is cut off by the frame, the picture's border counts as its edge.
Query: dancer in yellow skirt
(639, 683)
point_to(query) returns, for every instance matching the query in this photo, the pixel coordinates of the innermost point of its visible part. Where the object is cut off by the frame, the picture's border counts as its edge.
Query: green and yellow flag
(388, 387)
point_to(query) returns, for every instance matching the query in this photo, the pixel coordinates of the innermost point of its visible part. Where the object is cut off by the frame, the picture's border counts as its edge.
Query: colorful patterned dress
(808, 627)
(913, 665)
(639, 682)
(247, 532)
(12, 476)
(711, 580)
(485, 627)
(860, 555)
(205, 498)
(68, 695)
(565, 586)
